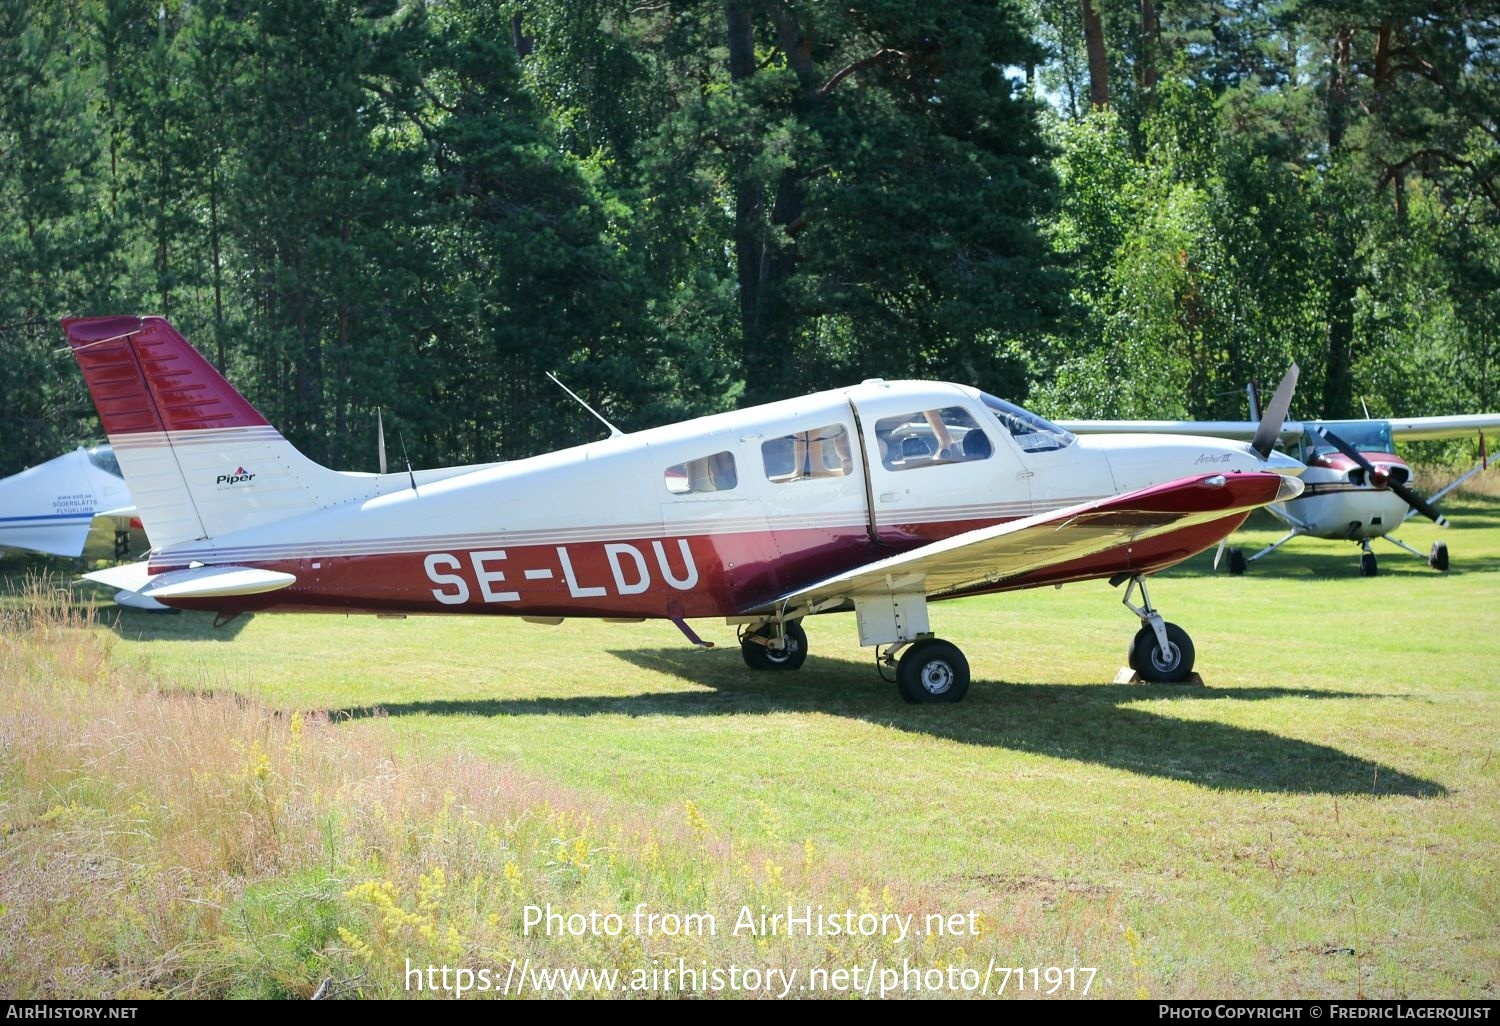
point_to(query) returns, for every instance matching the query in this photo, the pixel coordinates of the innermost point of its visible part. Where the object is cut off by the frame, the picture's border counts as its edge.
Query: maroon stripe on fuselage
(725, 574)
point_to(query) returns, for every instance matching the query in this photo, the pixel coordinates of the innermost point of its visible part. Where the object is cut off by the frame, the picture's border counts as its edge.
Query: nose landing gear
(1160, 652)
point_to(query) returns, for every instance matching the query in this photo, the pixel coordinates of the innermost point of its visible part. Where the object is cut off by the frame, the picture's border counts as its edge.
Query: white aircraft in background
(53, 506)
(75, 505)
(875, 498)
(1355, 486)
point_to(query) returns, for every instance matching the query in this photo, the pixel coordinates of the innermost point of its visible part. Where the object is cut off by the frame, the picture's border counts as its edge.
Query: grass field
(1321, 819)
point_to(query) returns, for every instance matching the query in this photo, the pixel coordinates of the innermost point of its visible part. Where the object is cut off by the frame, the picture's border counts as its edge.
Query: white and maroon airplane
(876, 498)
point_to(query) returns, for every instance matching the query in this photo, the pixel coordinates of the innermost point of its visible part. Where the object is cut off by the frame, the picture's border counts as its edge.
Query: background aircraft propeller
(1379, 479)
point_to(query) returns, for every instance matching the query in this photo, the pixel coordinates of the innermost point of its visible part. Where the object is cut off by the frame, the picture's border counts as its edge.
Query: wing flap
(995, 554)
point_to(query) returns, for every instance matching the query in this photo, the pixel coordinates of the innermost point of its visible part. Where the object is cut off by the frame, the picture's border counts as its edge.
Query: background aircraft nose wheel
(1237, 562)
(1171, 667)
(1438, 557)
(759, 656)
(932, 671)
(1367, 565)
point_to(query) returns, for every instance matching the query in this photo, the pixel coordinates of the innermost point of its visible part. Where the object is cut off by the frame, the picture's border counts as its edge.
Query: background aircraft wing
(1464, 425)
(1003, 552)
(1240, 430)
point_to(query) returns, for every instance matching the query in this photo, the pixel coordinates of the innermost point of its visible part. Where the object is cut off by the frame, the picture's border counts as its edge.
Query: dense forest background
(1100, 207)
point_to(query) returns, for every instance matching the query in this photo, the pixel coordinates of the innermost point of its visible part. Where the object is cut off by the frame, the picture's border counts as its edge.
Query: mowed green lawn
(1323, 818)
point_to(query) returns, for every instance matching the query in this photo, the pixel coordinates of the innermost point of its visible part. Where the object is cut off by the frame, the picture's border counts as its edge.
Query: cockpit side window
(714, 473)
(103, 457)
(931, 438)
(1031, 432)
(821, 452)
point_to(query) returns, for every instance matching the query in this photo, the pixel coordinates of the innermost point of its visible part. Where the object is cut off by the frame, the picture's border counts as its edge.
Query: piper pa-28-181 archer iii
(1355, 486)
(876, 498)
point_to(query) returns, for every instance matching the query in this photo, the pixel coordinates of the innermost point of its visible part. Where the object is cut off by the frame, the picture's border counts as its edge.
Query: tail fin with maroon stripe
(200, 461)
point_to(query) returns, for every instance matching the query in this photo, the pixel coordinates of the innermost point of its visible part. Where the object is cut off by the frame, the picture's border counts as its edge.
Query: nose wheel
(1160, 652)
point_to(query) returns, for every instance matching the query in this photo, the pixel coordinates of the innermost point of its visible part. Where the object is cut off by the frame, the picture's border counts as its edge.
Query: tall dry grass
(159, 838)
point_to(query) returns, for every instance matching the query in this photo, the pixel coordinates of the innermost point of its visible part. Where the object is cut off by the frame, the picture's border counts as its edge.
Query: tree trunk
(749, 204)
(1338, 368)
(1093, 39)
(1150, 43)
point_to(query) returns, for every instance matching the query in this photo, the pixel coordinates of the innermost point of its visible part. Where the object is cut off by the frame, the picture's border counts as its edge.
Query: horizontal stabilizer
(193, 583)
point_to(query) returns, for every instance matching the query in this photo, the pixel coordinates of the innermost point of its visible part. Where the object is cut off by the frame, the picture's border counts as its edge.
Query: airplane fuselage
(701, 518)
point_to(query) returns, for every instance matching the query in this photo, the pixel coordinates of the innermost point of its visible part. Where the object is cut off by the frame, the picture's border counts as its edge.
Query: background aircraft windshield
(1364, 435)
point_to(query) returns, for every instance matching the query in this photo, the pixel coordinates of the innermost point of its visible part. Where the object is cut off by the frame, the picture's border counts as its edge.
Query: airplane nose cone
(1289, 488)
(1281, 463)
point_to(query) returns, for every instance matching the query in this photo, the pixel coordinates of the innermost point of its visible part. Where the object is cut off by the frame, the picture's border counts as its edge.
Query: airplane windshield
(1364, 435)
(103, 457)
(1032, 433)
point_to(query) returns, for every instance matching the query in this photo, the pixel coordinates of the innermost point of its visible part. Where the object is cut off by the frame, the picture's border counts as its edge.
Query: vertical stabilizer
(198, 458)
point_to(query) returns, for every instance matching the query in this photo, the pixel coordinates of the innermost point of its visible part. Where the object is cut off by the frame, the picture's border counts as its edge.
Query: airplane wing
(1003, 552)
(1241, 430)
(1464, 425)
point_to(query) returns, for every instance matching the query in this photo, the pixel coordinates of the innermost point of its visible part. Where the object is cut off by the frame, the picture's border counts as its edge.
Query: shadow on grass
(1086, 723)
(183, 625)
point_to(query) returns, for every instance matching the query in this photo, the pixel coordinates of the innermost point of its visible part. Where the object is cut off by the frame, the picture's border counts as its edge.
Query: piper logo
(240, 476)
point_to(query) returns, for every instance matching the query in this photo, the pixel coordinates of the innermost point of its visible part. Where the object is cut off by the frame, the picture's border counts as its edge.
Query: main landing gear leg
(928, 670)
(1239, 562)
(1161, 652)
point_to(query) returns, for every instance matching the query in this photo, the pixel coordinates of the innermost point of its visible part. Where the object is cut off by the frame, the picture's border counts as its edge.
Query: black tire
(1367, 565)
(759, 657)
(931, 672)
(1237, 564)
(1147, 659)
(1438, 557)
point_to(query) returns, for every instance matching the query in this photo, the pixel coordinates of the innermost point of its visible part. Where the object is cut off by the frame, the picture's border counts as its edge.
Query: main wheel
(1438, 557)
(932, 671)
(1367, 565)
(1172, 667)
(1237, 562)
(762, 657)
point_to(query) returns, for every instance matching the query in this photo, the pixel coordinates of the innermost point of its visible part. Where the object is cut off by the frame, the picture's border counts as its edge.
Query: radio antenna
(411, 474)
(614, 432)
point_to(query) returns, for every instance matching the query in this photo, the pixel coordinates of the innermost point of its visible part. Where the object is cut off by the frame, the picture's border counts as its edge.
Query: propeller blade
(1275, 415)
(1411, 498)
(380, 430)
(1219, 554)
(1419, 504)
(1347, 449)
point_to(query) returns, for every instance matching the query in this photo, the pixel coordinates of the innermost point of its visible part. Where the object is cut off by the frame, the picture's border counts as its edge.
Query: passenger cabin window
(821, 452)
(706, 474)
(930, 438)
